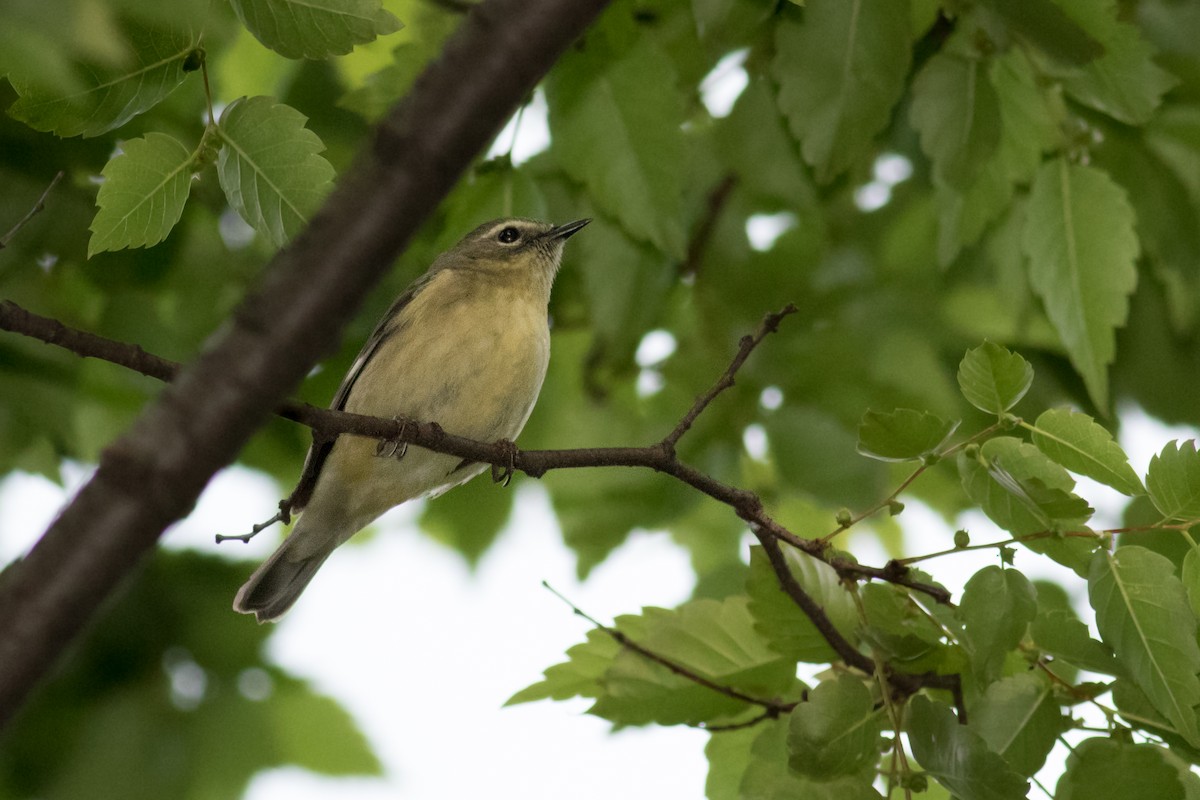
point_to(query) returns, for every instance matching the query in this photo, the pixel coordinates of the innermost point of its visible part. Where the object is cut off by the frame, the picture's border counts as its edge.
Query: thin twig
(535, 463)
(717, 199)
(773, 706)
(746, 346)
(33, 212)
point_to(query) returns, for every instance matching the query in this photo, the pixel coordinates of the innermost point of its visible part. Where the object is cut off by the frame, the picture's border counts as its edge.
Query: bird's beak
(567, 230)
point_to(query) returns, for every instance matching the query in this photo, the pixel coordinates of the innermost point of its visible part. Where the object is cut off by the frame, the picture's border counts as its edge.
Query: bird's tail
(276, 585)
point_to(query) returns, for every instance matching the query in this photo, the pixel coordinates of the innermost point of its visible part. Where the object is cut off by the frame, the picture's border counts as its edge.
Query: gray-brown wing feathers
(320, 448)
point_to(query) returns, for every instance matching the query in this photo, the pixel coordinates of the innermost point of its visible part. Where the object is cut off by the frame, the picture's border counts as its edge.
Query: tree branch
(33, 212)
(535, 463)
(153, 474)
(773, 707)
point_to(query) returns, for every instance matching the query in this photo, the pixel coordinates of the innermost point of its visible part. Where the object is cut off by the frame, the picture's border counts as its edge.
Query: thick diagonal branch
(153, 474)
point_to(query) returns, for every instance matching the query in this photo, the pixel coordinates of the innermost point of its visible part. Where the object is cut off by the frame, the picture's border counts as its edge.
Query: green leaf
(1143, 614)
(1063, 636)
(836, 732)
(713, 639)
(1011, 505)
(315, 28)
(1044, 25)
(615, 114)
(143, 194)
(112, 95)
(470, 522)
(1190, 575)
(1018, 718)
(1124, 83)
(579, 676)
(1081, 445)
(958, 757)
(767, 776)
(627, 284)
(1173, 481)
(1030, 126)
(993, 379)
(997, 606)
(897, 625)
(754, 142)
(728, 754)
(956, 111)
(782, 622)
(269, 167)
(1081, 246)
(1108, 769)
(903, 434)
(840, 72)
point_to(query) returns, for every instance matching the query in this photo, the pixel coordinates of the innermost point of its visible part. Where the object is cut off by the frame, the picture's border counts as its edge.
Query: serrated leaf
(315, 28)
(896, 625)
(1124, 83)
(994, 379)
(111, 95)
(1063, 636)
(145, 188)
(1190, 575)
(1029, 127)
(728, 754)
(1018, 718)
(1080, 444)
(1173, 480)
(997, 606)
(1143, 614)
(903, 434)
(269, 167)
(1081, 246)
(781, 621)
(956, 111)
(713, 639)
(767, 776)
(1044, 501)
(579, 676)
(1018, 513)
(1108, 769)
(958, 757)
(615, 113)
(836, 732)
(840, 72)
(1045, 26)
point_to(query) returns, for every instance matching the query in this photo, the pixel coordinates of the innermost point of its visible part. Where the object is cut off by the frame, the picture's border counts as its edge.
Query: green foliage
(958, 757)
(994, 379)
(1107, 768)
(143, 194)
(835, 732)
(1143, 613)
(269, 166)
(986, 187)
(169, 677)
(902, 435)
(1081, 246)
(315, 29)
(1173, 481)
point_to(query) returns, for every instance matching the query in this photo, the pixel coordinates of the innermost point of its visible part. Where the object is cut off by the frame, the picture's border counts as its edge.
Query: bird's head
(514, 246)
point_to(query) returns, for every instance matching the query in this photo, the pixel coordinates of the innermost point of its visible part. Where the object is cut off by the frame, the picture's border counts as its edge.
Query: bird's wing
(321, 447)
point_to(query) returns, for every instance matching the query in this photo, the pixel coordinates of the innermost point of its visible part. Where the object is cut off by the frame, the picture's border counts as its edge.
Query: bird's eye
(509, 235)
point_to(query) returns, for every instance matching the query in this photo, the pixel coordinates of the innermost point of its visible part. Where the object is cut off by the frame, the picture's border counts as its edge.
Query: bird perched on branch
(465, 346)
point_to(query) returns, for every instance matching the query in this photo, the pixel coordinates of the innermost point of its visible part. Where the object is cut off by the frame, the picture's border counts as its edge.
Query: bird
(467, 346)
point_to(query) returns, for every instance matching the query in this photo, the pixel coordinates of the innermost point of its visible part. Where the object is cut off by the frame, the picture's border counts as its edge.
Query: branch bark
(153, 474)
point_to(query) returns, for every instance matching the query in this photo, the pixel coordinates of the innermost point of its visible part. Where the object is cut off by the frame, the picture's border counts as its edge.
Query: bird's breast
(473, 362)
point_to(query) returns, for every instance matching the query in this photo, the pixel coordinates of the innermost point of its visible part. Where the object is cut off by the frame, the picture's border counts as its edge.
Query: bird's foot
(395, 447)
(503, 474)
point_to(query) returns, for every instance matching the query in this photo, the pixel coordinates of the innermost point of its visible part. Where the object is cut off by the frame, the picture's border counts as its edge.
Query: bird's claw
(394, 447)
(503, 474)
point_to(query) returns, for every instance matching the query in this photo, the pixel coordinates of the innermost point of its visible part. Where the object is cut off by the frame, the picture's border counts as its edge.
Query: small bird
(466, 346)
